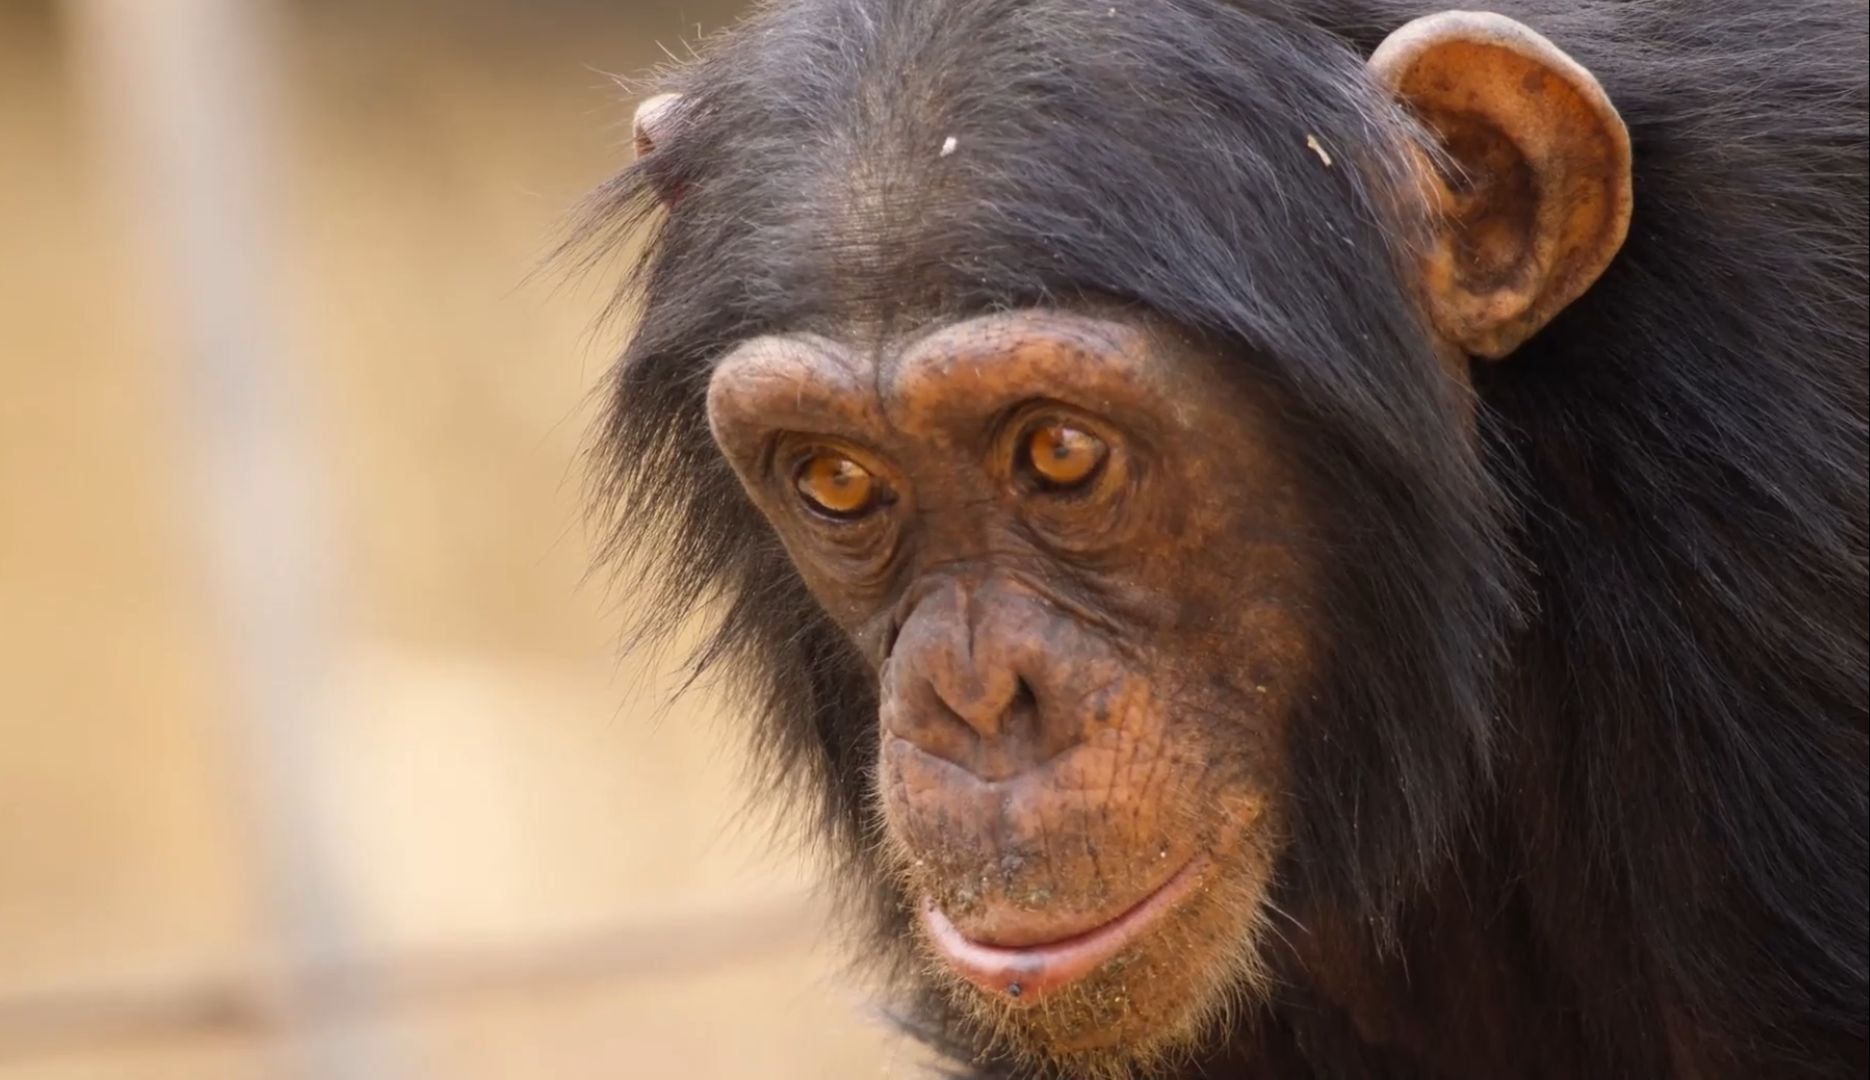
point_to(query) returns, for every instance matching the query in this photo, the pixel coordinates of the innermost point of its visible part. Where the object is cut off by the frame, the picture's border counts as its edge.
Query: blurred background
(318, 758)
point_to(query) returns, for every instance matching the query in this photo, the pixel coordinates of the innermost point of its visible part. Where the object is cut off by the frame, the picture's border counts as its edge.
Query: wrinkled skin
(1083, 691)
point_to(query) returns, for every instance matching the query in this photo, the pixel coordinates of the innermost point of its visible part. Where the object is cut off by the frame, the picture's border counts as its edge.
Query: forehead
(956, 159)
(845, 162)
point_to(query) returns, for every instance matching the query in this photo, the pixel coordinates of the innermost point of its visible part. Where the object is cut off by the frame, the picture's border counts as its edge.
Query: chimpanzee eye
(1063, 456)
(836, 486)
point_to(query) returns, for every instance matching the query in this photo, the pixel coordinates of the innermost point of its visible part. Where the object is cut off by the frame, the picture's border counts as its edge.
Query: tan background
(325, 765)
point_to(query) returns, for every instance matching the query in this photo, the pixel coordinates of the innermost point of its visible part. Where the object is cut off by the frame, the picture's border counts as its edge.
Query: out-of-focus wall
(512, 860)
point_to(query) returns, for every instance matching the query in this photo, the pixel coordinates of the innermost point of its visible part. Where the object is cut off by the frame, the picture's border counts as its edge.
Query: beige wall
(541, 872)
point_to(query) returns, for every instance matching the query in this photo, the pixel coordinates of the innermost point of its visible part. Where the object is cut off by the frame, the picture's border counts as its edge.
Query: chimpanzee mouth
(1027, 972)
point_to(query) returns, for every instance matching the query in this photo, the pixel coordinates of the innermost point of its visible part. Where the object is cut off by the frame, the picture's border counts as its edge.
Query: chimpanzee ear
(655, 118)
(1541, 202)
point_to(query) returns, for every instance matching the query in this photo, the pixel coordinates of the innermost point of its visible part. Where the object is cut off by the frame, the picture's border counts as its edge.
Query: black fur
(1585, 793)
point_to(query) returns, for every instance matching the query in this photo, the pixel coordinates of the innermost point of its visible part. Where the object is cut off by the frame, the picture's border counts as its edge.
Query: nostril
(924, 718)
(1021, 724)
(1024, 701)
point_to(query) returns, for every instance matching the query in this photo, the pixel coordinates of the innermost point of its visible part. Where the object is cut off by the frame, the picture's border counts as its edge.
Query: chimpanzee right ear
(654, 117)
(652, 128)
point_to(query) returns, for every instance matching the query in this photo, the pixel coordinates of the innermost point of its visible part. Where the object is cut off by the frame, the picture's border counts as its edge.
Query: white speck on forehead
(948, 145)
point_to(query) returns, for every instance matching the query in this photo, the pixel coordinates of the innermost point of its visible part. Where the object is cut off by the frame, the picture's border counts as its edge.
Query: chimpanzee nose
(965, 682)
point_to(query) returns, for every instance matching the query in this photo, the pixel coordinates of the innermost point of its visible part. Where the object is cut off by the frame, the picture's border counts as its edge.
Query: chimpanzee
(1284, 538)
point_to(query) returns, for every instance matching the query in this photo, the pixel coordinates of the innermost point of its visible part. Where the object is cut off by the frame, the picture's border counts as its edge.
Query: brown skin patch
(1065, 719)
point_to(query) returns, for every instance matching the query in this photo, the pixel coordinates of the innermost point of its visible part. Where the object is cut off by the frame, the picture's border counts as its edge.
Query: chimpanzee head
(1070, 404)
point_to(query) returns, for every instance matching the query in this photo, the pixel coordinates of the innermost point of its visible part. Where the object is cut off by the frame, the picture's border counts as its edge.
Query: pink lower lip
(1028, 972)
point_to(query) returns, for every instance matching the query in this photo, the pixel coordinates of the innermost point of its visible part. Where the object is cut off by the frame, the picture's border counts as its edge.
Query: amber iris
(834, 484)
(1062, 455)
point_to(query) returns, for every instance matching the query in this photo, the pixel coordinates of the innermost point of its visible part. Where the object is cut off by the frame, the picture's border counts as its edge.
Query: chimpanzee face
(1147, 611)
(1083, 572)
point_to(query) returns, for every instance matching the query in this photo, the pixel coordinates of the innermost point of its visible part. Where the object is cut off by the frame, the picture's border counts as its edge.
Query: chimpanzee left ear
(1542, 200)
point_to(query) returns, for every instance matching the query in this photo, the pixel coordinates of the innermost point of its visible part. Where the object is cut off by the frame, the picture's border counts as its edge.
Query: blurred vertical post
(181, 91)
